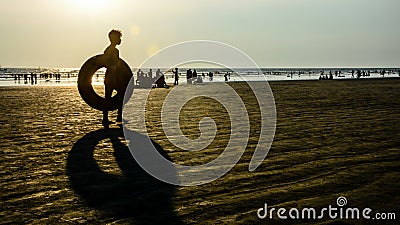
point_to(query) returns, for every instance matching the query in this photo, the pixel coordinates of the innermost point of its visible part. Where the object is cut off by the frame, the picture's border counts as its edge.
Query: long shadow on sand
(134, 196)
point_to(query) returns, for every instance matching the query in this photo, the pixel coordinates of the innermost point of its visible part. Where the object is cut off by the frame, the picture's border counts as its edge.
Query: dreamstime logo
(209, 52)
(341, 201)
(330, 212)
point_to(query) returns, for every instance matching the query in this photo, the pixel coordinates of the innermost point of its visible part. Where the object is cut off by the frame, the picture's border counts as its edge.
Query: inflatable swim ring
(87, 92)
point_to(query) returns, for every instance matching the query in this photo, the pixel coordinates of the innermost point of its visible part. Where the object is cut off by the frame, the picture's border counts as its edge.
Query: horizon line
(261, 67)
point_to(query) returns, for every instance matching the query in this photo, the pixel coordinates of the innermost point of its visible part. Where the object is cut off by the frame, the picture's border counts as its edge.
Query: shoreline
(73, 82)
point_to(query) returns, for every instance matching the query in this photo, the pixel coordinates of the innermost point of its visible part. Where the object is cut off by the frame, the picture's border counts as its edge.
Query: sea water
(15, 76)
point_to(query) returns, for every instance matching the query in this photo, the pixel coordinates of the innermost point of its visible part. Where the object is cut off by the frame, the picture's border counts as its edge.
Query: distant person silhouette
(139, 77)
(176, 76)
(189, 76)
(383, 73)
(149, 79)
(160, 79)
(110, 82)
(194, 75)
(358, 74)
(32, 79)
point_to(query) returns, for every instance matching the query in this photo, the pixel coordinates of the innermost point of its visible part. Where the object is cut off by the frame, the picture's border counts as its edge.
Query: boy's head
(115, 36)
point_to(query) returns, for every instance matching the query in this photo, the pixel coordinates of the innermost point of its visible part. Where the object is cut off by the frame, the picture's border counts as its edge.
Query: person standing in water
(176, 76)
(111, 55)
(189, 76)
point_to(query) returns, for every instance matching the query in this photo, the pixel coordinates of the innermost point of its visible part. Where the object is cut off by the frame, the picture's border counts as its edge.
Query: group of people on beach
(360, 73)
(367, 73)
(32, 78)
(147, 79)
(323, 76)
(355, 74)
(192, 77)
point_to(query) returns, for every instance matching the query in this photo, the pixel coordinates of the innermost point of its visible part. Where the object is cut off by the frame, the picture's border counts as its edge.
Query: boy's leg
(121, 103)
(107, 95)
(105, 121)
(119, 116)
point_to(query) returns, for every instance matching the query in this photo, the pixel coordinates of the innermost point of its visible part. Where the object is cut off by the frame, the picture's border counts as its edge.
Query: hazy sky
(275, 33)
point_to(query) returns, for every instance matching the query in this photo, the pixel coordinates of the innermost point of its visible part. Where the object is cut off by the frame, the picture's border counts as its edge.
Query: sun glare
(92, 5)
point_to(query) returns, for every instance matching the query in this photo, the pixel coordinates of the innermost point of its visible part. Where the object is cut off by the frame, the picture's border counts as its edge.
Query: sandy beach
(333, 138)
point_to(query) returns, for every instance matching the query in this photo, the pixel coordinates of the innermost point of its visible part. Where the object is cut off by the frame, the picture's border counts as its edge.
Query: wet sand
(333, 138)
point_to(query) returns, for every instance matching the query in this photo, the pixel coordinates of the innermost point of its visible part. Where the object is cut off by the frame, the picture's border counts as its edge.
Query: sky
(274, 33)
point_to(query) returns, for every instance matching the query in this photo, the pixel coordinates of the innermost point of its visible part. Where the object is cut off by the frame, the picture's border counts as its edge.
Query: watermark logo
(209, 52)
(341, 201)
(330, 212)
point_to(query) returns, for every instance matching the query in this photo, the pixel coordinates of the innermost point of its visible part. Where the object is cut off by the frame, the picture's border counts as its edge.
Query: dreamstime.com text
(330, 212)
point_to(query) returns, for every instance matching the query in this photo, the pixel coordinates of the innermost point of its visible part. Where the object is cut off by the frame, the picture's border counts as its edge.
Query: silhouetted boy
(111, 59)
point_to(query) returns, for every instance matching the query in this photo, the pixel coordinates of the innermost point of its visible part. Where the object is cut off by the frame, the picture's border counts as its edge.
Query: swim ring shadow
(132, 196)
(121, 80)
